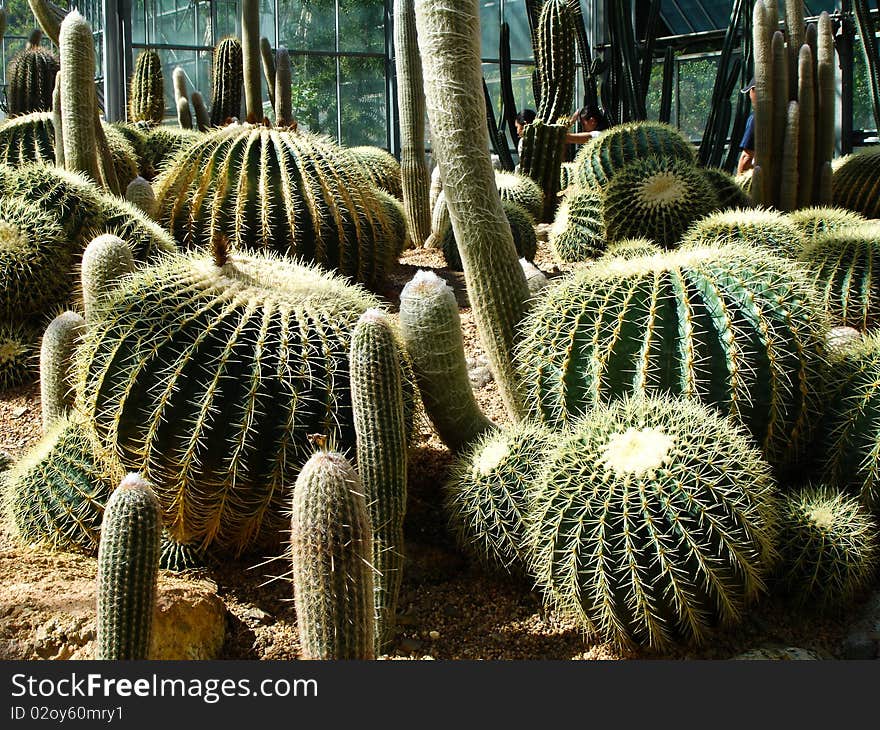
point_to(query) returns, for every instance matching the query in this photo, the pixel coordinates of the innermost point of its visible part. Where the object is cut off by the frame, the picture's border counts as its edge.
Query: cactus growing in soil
(35, 261)
(655, 198)
(734, 328)
(578, 230)
(19, 348)
(490, 492)
(262, 340)
(56, 363)
(31, 79)
(601, 158)
(331, 549)
(522, 226)
(415, 180)
(380, 167)
(378, 409)
(842, 266)
(816, 220)
(827, 545)
(146, 94)
(653, 521)
(227, 82)
(296, 194)
(855, 183)
(55, 494)
(849, 447)
(753, 227)
(128, 570)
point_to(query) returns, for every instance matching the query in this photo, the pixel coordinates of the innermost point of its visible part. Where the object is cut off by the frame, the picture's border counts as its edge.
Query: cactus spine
(377, 406)
(411, 100)
(56, 365)
(283, 109)
(250, 46)
(78, 104)
(449, 42)
(128, 569)
(146, 96)
(31, 79)
(227, 82)
(331, 549)
(105, 259)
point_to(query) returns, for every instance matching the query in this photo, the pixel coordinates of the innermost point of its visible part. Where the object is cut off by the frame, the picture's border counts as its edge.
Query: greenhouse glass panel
(362, 27)
(363, 103)
(307, 25)
(520, 37)
(490, 27)
(313, 93)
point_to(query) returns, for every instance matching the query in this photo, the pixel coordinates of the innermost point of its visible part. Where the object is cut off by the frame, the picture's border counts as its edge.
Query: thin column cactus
(281, 95)
(227, 82)
(411, 101)
(56, 365)
(250, 47)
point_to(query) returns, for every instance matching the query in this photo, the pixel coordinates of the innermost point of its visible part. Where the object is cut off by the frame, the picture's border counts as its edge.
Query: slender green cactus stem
(178, 79)
(331, 548)
(431, 330)
(184, 115)
(56, 360)
(806, 127)
(203, 119)
(268, 59)
(105, 259)
(825, 106)
(762, 40)
(794, 25)
(78, 96)
(449, 40)
(140, 193)
(128, 570)
(57, 123)
(49, 16)
(411, 101)
(250, 47)
(788, 189)
(283, 108)
(780, 111)
(377, 404)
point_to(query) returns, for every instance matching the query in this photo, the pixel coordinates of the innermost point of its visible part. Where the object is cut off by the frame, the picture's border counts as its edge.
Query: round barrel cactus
(632, 248)
(31, 80)
(208, 375)
(602, 157)
(381, 167)
(827, 545)
(855, 182)
(726, 188)
(813, 221)
(267, 189)
(653, 521)
(520, 189)
(656, 198)
(19, 353)
(754, 227)
(842, 264)
(578, 230)
(733, 327)
(522, 226)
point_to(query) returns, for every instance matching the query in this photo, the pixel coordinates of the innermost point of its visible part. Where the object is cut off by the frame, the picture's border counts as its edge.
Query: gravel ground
(450, 608)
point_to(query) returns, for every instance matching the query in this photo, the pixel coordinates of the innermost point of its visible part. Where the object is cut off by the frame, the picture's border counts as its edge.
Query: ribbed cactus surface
(856, 183)
(19, 349)
(753, 227)
(331, 549)
(632, 248)
(128, 570)
(653, 522)
(726, 188)
(379, 422)
(555, 61)
(600, 158)
(31, 80)
(380, 167)
(733, 328)
(208, 377)
(656, 198)
(522, 226)
(227, 82)
(146, 94)
(520, 189)
(578, 230)
(265, 189)
(55, 494)
(816, 220)
(842, 267)
(56, 365)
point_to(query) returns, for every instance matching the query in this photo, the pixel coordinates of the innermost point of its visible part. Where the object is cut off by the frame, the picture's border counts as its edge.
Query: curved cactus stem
(49, 16)
(57, 122)
(281, 78)
(56, 360)
(203, 119)
(184, 115)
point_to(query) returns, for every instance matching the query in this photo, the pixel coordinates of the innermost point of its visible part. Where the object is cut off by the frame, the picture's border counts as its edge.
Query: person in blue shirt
(747, 145)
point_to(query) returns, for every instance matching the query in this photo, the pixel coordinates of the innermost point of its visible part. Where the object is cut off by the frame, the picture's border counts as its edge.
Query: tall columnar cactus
(377, 406)
(184, 114)
(128, 570)
(842, 266)
(209, 374)
(431, 329)
(55, 494)
(227, 81)
(653, 521)
(828, 547)
(250, 47)
(794, 113)
(56, 365)
(555, 61)
(331, 549)
(78, 102)
(200, 110)
(491, 491)
(31, 79)
(522, 226)
(283, 108)
(411, 101)
(35, 261)
(105, 260)
(602, 157)
(268, 189)
(849, 448)
(734, 328)
(754, 227)
(655, 198)
(146, 94)
(856, 183)
(267, 57)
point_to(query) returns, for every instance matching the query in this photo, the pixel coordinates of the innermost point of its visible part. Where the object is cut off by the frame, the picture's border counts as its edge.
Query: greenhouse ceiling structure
(343, 59)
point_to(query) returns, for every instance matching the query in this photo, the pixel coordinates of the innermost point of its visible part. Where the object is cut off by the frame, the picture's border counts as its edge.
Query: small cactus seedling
(128, 569)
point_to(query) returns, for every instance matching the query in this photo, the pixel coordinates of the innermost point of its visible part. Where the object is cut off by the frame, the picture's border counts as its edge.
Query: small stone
(19, 412)
(258, 615)
(434, 635)
(409, 645)
(480, 376)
